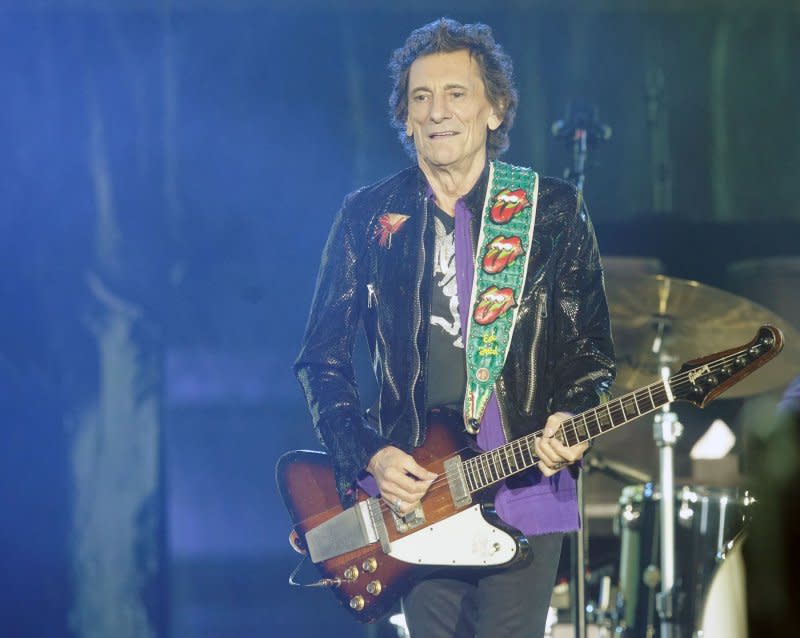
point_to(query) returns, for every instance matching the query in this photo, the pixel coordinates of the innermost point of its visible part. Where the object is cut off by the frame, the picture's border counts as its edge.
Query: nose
(439, 108)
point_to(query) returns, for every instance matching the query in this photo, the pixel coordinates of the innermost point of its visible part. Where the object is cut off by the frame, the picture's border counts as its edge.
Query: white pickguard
(464, 539)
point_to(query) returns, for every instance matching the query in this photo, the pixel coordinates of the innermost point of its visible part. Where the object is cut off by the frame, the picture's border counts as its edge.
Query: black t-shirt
(447, 373)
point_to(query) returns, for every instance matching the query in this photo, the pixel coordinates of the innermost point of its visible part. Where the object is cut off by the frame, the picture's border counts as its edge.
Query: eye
(420, 97)
(456, 94)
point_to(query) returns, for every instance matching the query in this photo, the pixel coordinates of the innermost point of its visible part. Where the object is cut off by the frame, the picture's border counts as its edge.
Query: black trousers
(509, 603)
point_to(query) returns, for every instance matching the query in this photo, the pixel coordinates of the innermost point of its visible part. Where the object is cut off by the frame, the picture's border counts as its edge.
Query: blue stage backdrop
(170, 172)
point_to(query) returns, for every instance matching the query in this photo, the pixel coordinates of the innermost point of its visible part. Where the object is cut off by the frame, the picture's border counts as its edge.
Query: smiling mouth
(442, 134)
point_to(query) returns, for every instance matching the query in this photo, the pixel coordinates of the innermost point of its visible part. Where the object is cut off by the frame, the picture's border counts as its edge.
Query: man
(401, 258)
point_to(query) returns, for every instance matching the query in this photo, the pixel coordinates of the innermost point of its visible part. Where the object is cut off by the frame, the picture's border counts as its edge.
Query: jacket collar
(473, 200)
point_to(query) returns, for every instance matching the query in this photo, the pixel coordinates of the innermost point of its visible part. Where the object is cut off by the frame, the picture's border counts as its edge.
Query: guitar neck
(698, 382)
(519, 455)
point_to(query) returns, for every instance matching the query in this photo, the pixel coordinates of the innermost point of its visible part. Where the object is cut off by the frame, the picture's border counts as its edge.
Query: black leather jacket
(561, 355)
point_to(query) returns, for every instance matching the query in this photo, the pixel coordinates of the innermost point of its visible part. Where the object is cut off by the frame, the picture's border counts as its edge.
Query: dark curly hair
(445, 36)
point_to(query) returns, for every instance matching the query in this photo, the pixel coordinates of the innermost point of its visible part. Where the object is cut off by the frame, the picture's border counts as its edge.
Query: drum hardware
(606, 614)
(652, 314)
(622, 472)
(706, 521)
(581, 129)
(667, 431)
(657, 320)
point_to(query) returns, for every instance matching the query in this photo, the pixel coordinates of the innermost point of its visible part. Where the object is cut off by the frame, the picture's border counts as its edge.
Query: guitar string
(443, 481)
(678, 381)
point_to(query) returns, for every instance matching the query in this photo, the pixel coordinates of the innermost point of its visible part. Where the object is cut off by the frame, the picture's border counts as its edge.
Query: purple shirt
(543, 505)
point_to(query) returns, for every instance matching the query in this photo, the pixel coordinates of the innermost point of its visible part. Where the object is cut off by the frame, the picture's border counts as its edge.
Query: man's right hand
(401, 480)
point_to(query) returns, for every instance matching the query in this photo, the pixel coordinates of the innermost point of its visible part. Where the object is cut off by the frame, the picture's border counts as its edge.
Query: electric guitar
(370, 556)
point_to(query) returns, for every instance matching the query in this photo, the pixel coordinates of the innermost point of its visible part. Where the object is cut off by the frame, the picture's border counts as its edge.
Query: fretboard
(519, 455)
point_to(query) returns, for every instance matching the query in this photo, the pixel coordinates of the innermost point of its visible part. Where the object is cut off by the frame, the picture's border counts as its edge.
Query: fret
(520, 449)
(629, 408)
(471, 473)
(604, 419)
(645, 400)
(496, 467)
(565, 428)
(636, 403)
(563, 432)
(500, 455)
(505, 449)
(569, 431)
(480, 470)
(593, 430)
(513, 458)
(582, 431)
(617, 413)
(661, 394)
(471, 478)
(650, 394)
(497, 463)
(531, 455)
(488, 468)
(521, 464)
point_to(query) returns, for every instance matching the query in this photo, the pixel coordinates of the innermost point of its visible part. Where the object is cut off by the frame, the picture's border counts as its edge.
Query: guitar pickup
(457, 482)
(356, 527)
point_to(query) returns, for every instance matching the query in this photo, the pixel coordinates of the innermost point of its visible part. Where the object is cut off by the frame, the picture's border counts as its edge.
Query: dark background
(169, 174)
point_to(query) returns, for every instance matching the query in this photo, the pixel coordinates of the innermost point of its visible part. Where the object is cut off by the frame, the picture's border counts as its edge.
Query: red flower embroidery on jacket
(389, 224)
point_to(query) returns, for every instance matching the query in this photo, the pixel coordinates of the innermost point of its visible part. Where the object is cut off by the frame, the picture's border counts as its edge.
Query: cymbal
(658, 320)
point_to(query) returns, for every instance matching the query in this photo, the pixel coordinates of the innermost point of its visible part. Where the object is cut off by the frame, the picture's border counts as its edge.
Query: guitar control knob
(369, 565)
(357, 602)
(374, 587)
(351, 573)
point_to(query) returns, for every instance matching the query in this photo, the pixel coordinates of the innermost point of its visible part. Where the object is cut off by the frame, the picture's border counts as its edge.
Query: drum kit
(674, 540)
(679, 572)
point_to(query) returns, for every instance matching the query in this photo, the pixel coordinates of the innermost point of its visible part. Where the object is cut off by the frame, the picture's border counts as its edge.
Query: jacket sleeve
(584, 363)
(324, 366)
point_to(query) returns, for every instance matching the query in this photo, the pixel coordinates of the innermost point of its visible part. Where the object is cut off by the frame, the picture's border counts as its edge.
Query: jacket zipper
(418, 324)
(372, 298)
(501, 410)
(537, 332)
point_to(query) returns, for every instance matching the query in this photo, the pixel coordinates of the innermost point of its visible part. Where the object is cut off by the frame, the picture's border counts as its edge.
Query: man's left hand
(553, 453)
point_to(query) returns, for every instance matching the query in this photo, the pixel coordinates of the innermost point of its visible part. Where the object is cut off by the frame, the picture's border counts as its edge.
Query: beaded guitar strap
(501, 265)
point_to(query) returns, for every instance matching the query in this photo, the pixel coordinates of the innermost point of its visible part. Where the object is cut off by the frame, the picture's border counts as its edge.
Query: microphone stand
(580, 128)
(667, 430)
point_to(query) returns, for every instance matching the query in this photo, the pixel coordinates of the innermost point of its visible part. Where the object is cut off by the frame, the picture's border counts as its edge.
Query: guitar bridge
(410, 521)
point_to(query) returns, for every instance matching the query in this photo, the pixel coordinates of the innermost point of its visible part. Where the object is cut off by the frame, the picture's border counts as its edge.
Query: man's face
(448, 112)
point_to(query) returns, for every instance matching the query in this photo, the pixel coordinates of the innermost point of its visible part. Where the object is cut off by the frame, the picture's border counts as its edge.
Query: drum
(724, 612)
(706, 520)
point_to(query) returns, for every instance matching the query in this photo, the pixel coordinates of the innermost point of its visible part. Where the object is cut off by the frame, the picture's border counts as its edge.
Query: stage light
(716, 443)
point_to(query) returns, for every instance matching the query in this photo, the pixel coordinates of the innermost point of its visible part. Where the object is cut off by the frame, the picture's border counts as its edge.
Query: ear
(496, 120)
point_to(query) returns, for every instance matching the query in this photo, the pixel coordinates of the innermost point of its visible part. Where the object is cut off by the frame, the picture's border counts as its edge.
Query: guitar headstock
(700, 381)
